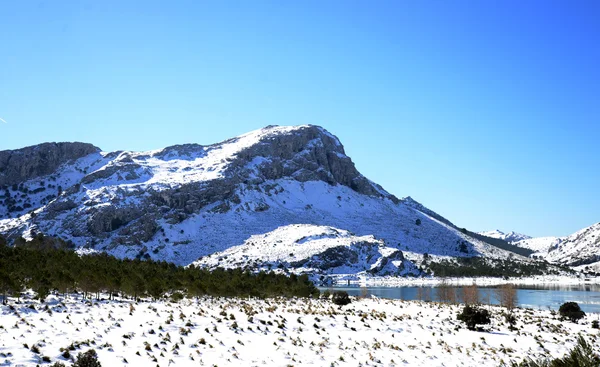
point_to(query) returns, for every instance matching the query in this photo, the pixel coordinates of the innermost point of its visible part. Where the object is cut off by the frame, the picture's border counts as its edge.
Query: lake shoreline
(480, 281)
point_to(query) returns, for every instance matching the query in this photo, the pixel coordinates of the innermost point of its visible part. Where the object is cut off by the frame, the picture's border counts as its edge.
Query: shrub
(473, 316)
(87, 359)
(595, 324)
(58, 364)
(326, 294)
(507, 296)
(341, 298)
(571, 311)
(582, 355)
(177, 296)
(511, 320)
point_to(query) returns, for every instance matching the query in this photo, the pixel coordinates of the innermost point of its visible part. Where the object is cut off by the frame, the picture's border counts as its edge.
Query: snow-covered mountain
(509, 237)
(189, 201)
(540, 245)
(580, 248)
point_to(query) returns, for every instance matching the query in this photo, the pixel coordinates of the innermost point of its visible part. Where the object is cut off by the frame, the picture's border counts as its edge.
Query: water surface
(546, 296)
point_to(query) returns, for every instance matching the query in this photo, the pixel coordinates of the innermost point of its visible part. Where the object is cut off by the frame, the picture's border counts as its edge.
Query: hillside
(509, 237)
(311, 249)
(580, 248)
(539, 245)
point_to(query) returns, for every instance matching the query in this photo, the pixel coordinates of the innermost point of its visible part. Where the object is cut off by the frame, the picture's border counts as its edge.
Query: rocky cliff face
(17, 166)
(190, 200)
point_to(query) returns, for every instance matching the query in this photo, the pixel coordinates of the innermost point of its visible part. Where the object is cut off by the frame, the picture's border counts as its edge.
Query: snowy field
(290, 332)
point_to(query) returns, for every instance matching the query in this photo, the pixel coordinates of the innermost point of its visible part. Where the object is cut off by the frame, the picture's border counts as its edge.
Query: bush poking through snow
(595, 324)
(87, 359)
(571, 311)
(473, 316)
(340, 298)
(582, 355)
(511, 320)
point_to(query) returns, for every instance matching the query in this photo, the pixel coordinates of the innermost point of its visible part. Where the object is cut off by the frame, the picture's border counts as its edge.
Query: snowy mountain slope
(509, 237)
(19, 199)
(188, 201)
(280, 203)
(311, 249)
(540, 245)
(580, 248)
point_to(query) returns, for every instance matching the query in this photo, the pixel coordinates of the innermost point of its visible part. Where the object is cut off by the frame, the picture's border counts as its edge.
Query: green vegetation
(571, 311)
(87, 359)
(340, 298)
(473, 316)
(44, 269)
(478, 266)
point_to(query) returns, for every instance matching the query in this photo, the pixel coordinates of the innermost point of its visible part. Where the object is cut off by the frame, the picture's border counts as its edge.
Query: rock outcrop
(24, 164)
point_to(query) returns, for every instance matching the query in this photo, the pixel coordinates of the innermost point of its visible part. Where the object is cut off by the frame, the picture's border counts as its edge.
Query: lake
(537, 297)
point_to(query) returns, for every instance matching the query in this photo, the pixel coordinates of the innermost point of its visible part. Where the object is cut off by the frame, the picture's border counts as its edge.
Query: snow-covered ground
(285, 332)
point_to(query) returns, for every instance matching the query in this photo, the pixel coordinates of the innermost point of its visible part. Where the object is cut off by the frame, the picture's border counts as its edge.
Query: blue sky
(488, 112)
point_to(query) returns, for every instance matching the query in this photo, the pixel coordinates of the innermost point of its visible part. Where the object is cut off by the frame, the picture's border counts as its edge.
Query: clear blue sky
(487, 112)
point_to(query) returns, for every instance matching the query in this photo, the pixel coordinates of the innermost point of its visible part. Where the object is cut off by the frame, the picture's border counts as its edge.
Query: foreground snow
(243, 332)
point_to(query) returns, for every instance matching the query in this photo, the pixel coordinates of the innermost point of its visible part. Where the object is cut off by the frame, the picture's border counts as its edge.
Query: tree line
(480, 266)
(45, 268)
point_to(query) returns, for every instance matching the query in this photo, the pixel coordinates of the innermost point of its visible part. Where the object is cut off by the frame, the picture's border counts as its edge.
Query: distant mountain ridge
(190, 201)
(510, 237)
(580, 248)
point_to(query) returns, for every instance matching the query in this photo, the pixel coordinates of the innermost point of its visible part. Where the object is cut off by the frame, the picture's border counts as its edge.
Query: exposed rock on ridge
(35, 161)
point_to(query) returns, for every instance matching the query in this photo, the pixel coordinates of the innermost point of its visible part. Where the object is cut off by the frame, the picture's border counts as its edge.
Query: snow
(317, 203)
(510, 237)
(541, 245)
(278, 332)
(307, 246)
(581, 247)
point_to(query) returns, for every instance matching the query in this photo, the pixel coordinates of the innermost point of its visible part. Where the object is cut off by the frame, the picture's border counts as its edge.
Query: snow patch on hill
(510, 237)
(312, 249)
(540, 245)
